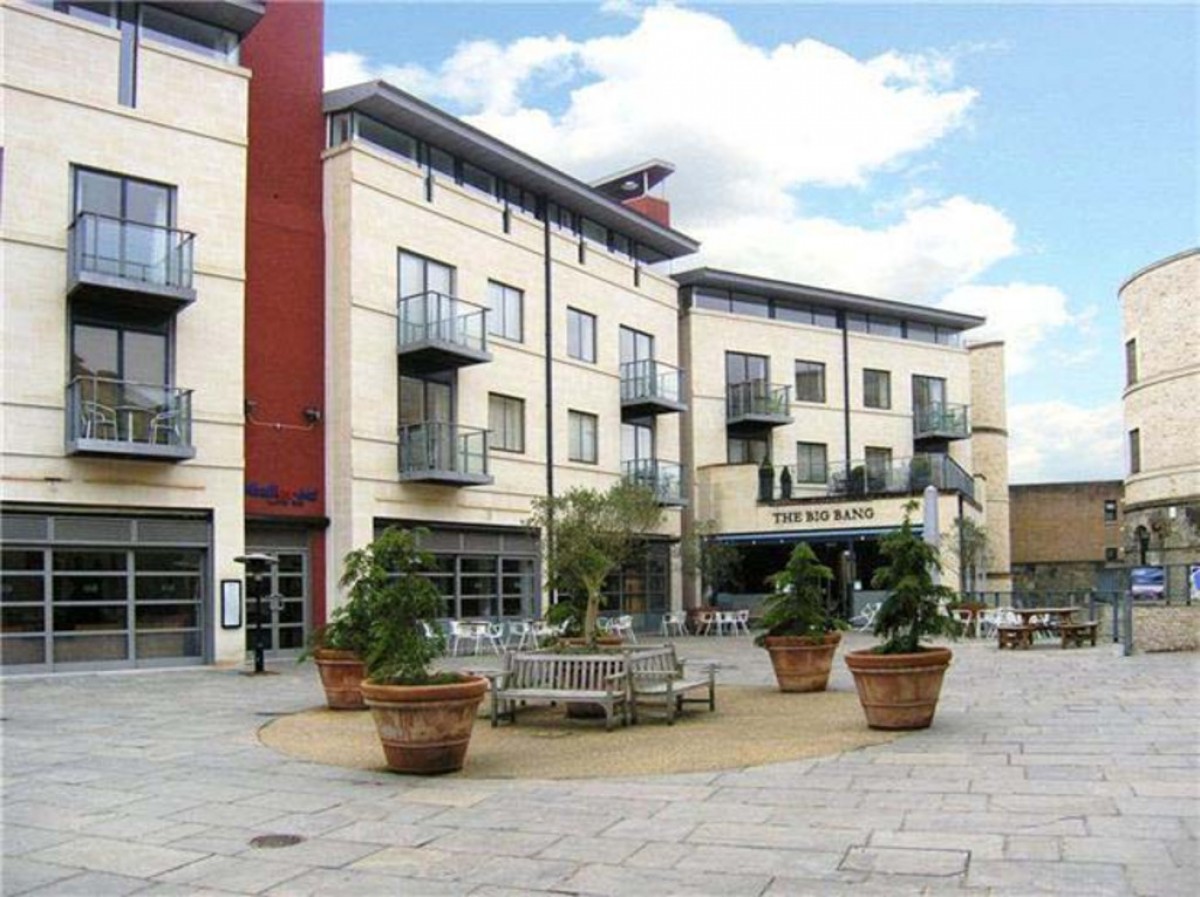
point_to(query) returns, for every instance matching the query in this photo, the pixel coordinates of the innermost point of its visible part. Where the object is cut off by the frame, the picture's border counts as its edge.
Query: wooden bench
(1074, 634)
(548, 678)
(658, 678)
(1015, 636)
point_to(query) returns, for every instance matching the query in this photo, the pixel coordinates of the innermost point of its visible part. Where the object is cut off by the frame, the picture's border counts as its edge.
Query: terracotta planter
(802, 663)
(425, 729)
(899, 691)
(341, 674)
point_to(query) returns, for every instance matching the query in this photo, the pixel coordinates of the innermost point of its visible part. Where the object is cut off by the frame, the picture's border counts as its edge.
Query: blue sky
(1017, 160)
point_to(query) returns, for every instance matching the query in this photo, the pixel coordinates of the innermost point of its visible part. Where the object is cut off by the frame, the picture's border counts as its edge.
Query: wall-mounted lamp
(312, 414)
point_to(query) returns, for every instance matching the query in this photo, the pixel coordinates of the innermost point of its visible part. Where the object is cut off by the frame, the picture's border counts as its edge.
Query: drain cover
(275, 840)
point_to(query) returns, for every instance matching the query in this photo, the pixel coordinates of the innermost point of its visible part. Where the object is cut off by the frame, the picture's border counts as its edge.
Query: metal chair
(166, 423)
(673, 624)
(97, 421)
(741, 621)
(524, 633)
(864, 620)
(623, 626)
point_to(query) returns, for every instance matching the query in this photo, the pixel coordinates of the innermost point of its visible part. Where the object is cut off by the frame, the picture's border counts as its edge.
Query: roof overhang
(234, 15)
(778, 289)
(401, 110)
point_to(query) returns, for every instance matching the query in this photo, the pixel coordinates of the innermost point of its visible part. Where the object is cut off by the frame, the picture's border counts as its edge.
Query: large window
(811, 463)
(420, 275)
(636, 346)
(810, 381)
(879, 468)
(743, 368)
(582, 437)
(506, 420)
(127, 228)
(423, 401)
(581, 335)
(476, 586)
(1131, 362)
(1135, 451)
(877, 389)
(748, 449)
(637, 441)
(928, 393)
(507, 309)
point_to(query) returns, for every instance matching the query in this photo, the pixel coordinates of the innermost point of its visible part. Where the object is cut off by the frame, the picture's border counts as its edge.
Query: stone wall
(1166, 627)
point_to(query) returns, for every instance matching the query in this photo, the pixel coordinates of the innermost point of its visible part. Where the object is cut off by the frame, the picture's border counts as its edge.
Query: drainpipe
(549, 374)
(846, 387)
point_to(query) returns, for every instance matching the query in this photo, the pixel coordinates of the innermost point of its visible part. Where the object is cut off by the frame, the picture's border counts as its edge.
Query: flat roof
(779, 289)
(401, 110)
(235, 15)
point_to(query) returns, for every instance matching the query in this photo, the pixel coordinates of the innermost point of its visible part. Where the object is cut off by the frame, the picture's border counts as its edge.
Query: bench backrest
(563, 672)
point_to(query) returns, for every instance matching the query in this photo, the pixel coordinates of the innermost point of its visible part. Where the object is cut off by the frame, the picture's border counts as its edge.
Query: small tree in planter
(899, 680)
(801, 631)
(424, 719)
(338, 649)
(594, 535)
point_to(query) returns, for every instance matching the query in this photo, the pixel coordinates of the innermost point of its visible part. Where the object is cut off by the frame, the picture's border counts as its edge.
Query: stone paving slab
(1089, 787)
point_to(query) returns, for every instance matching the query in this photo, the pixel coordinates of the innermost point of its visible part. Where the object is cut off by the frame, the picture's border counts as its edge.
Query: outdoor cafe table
(1049, 617)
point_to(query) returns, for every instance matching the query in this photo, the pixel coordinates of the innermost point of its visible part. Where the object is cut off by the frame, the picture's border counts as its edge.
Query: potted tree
(899, 681)
(338, 648)
(424, 719)
(802, 634)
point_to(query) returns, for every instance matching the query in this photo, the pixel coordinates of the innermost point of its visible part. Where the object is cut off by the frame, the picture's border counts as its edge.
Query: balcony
(663, 478)
(757, 404)
(118, 418)
(650, 387)
(905, 476)
(129, 262)
(437, 332)
(445, 454)
(941, 421)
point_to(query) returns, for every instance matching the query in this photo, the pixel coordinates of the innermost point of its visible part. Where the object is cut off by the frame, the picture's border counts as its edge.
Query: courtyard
(1046, 771)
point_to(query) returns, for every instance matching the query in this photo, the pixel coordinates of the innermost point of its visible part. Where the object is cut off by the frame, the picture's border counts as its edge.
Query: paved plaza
(1046, 772)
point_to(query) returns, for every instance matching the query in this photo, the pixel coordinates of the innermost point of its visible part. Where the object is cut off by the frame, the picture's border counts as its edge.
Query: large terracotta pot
(341, 674)
(802, 663)
(899, 691)
(425, 728)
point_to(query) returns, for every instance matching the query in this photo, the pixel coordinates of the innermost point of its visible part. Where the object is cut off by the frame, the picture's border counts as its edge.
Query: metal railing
(130, 250)
(435, 317)
(941, 419)
(1112, 609)
(443, 448)
(905, 476)
(757, 398)
(123, 413)
(649, 380)
(663, 478)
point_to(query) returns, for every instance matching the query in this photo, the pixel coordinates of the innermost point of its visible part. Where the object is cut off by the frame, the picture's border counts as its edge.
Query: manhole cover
(275, 840)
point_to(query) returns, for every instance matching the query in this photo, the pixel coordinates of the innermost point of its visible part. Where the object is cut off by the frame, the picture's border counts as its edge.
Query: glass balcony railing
(905, 476)
(119, 417)
(941, 420)
(439, 452)
(116, 253)
(663, 478)
(651, 386)
(757, 401)
(449, 331)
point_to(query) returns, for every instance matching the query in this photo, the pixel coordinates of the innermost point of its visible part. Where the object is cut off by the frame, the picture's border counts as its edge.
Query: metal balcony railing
(663, 478)
(941, 420)
(119, 253)
(757, 401)
(434, 451)
(651, 383)
(119, 417)
(905, 476)
(433, 321)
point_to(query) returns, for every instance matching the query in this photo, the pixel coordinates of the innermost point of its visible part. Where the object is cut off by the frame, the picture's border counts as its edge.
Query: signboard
(823, 516)
(1147, 582)
(1194, 582)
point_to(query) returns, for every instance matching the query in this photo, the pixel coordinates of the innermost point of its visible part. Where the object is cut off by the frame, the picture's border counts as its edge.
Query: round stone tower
(989, 454)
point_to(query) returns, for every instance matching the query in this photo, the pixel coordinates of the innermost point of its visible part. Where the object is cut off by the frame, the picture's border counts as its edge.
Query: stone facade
(1166, 627)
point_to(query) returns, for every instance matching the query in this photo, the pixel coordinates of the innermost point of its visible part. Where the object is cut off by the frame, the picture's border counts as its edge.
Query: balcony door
(418, 276)
(637, 443)
(121, 370)
(929, 393)
(130, 238)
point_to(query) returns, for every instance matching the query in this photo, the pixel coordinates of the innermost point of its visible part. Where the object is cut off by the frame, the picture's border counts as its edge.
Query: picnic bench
(1074, 634)
(1016, 635)
(615, 680)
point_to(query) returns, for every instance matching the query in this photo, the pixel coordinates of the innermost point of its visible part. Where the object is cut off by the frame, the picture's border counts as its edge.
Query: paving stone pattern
(1046, 772)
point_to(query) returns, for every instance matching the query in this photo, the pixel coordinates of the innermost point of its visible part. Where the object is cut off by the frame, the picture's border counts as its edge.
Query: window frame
(764, 441)
(1131, 362)
(498, 320)
(808, 466)
(885, 402)
(1110, 510)
(506, 404)
(1135, 451)
(577, 421)
(817, 367)
(576, 319)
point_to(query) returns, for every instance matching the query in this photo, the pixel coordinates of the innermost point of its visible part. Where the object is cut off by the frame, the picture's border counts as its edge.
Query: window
(506, 421)
(420, 275)
(1110, 510)
(810, 381)
(748, 449)
(924, 333)
(189, 34)
(582, 443)
(115, 242)
(507, 306)
(811, 466)
(877, 389)
(637, 442)
(879, 468)
(636, 346)
(1135, 451)
(425, 401)
(929, 393)
(753, 306)
(743, 368)
(478, 179)
(1131, 362)
(386, 137)
(1111, 554)
(581, 335)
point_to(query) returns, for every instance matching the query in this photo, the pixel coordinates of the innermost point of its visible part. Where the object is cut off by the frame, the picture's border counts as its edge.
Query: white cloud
(1060, 441)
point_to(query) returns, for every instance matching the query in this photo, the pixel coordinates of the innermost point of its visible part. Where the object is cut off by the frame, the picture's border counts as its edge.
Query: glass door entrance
(285, 604)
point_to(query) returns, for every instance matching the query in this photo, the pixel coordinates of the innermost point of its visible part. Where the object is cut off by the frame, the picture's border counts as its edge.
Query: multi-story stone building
(240, 316)
(1067, 536)
(1161, 319)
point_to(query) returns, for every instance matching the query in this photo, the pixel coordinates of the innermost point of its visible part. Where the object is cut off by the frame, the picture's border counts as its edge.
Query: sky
(1015, 160)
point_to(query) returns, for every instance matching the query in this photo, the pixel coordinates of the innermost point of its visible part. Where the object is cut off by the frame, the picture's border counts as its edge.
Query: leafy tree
(970, 546)
(797, 604)
(715, 563)
(594, 535)
(911, 611)
(386, 582)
